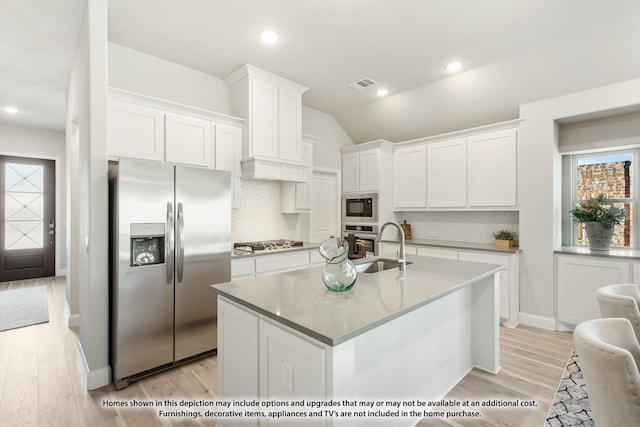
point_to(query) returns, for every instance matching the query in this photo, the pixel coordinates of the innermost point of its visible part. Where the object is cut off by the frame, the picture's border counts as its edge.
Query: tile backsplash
(473, 227)
(259, 216)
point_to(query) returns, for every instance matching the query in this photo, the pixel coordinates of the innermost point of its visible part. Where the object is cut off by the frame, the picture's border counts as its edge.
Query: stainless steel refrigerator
(170, 229)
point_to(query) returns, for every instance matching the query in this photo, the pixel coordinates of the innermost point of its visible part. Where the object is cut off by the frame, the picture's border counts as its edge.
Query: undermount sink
(375, 265)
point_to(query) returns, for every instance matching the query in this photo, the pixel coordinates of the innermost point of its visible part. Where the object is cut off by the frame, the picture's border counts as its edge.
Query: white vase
(599, 236)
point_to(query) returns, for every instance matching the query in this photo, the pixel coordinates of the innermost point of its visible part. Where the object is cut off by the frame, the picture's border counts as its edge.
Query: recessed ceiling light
(382, 92)
(269, 37)
(11, 110)
(454, 67)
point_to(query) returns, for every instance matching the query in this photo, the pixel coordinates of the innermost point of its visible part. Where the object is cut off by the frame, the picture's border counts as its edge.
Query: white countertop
(300, 300)
(623, 253)
(457, 245)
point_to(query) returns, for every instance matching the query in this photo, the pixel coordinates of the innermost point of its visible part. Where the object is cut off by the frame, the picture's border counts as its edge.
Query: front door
(27, 210)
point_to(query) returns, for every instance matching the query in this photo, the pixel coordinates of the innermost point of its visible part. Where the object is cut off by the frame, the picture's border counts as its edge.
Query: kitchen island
(398, 335)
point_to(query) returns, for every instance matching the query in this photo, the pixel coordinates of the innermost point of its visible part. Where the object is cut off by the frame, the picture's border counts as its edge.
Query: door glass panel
(24, 206)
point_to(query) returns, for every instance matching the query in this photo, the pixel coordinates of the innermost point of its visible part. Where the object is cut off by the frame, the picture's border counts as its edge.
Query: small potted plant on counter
(504, 238)
(599, 217)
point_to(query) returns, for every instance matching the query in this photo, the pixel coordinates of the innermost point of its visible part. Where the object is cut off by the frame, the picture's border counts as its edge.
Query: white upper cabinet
(187, 140)
(141, 127)
(135, 131)
(410, 177)
(447, 174)
(228, 145)
(295, 197)
(492, 169)
(360, 171)
(272, 107)
(466, 170)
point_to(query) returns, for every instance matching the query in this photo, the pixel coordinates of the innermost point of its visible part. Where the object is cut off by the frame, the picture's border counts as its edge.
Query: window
(611, 173)
(24, 206)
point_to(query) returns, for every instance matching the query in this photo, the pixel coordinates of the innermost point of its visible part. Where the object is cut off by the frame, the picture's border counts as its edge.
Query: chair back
(621, 300)
(609, 356)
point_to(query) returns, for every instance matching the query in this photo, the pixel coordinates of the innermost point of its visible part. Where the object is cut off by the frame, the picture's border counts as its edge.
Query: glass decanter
(339, 273)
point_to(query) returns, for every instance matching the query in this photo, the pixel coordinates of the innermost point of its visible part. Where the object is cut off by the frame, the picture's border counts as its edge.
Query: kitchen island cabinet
(397, 335)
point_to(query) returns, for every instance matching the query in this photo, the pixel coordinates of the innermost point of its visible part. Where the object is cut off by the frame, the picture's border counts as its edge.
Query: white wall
(326, 151)
(88, 216)
(28, 142)
(476, 97)
(139, 72)
(540, 187)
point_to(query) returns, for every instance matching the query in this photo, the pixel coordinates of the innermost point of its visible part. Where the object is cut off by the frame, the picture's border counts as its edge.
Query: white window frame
(633, 199)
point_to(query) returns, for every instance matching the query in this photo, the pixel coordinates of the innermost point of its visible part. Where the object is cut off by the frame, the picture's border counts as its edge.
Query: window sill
(611, 253)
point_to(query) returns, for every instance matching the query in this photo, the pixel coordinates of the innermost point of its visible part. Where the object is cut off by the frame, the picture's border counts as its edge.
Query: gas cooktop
(267, 245)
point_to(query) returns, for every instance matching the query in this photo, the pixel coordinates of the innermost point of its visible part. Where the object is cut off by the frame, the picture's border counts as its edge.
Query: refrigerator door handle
(180, 243)
(169, 245)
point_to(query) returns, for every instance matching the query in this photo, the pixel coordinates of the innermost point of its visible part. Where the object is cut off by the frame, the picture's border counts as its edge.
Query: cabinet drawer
(243, 267)
(282, 262)
(486, 258)
(438, 252)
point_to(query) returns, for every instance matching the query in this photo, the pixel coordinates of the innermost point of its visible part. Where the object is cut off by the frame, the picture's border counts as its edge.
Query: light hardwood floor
(41, 383)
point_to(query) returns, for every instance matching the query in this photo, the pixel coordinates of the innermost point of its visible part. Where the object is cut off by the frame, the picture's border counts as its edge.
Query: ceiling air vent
(362, 83)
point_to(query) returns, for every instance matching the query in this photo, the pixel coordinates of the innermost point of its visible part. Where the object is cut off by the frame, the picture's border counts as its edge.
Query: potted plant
(599, 216)
(504, 238)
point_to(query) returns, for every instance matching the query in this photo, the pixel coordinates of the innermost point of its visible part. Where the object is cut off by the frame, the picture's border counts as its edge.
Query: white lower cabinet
(509, 282)
(278, 263)
(252, 266)
(242, 267)
(260, 360)
(290, 366)
(437, 252)
(238, 352)
(578, 277)
(509, 277)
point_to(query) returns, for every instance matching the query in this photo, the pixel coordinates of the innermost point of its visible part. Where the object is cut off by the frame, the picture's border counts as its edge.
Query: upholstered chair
(621, 300)
(609, 356)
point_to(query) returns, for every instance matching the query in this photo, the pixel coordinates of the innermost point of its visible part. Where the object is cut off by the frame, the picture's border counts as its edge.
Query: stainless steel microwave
(360, 208)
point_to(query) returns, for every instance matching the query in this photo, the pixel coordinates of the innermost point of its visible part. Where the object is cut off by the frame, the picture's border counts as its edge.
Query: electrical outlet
(286, 375)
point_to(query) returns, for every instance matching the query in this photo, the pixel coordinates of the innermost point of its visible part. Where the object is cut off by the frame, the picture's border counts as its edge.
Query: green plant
(598, 209)
(504, 235)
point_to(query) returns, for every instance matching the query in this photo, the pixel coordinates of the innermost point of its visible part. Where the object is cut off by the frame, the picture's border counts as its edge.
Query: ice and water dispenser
(147, 244)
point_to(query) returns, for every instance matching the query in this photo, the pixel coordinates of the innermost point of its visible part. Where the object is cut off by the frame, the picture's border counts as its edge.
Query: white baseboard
(73, 320)
(536, 321)
(96, 378)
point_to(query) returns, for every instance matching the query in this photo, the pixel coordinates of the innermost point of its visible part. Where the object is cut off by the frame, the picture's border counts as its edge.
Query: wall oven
(360, 208)
(361, 239)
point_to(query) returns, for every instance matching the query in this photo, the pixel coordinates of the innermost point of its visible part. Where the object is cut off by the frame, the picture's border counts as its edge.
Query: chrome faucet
(402, 260)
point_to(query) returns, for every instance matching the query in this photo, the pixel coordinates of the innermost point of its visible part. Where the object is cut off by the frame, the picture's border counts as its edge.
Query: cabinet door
(578, 279)
(368, 171)
(243, 267)
(135, 131)
(237, 352)
(505, 282)
(284, 261)
(447, 174)
(188, 140)
(228, 146)
(263, 119)
(289, 125)
(492, 169)
(410, 177)
(350, 172)
(291, 367)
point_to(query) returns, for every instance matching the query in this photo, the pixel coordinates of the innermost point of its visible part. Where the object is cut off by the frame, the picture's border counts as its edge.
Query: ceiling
(324, 45)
